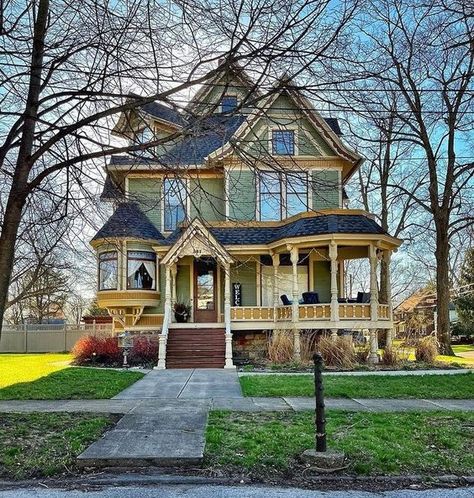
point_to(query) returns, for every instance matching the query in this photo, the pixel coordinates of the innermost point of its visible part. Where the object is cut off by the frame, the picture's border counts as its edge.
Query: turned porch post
(166, 320)
(374, 304)
(276, 297)
(334, 301)
(228, 333)
(374, 293)
(174, 273)
(387, 256)
(295, 303)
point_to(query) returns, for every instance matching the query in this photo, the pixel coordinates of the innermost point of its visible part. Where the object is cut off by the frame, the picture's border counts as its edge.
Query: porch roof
(315, 225)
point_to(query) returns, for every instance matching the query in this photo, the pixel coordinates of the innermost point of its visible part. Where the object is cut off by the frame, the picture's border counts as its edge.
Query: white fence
(47, 338)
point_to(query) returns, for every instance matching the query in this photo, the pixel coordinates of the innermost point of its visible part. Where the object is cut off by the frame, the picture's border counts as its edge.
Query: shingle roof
(111, 191)
(206, 135)
(128, 220)
(333, 123)
(164, 112)
(317, 225)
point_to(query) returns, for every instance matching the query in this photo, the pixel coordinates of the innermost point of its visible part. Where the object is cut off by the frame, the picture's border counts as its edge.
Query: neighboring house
(417, 313)
(242, 217)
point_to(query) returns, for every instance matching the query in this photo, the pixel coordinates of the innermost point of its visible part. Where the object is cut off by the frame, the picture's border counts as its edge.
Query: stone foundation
(249, 346)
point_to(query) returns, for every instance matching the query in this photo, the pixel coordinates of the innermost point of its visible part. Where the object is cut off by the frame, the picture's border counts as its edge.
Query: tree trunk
(442, 289)
(11, 223)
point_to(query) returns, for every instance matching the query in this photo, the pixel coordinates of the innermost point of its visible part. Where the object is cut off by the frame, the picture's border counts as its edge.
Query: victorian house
(235, 225)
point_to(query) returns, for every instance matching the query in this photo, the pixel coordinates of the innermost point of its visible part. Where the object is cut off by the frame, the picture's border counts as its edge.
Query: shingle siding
(325, 189)
(242, 195)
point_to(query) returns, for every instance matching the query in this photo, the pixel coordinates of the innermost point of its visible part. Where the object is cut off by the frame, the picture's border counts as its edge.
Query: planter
(181, 317)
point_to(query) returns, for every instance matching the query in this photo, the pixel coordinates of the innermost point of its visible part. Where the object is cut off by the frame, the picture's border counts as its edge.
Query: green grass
(459, 386)
(395, 443)
(49, 376)
(44, 444)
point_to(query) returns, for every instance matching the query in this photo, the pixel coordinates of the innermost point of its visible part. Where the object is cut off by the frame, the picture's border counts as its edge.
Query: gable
(233, 82)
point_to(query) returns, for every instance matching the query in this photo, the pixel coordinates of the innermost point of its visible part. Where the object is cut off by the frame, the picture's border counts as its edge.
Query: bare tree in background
(70, 68)
(424, 54)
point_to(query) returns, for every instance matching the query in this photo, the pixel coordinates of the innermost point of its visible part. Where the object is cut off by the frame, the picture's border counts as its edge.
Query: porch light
(125, 343)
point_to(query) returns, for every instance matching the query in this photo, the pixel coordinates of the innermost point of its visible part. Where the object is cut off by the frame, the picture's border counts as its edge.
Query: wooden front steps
(195, 348)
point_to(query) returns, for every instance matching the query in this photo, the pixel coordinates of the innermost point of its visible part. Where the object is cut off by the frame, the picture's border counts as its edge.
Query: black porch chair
(310, 298)
(363, 297)
(285, 300)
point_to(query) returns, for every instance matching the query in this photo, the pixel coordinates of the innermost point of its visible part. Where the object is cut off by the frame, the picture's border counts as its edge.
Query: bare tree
(424, 54)
(70, 68)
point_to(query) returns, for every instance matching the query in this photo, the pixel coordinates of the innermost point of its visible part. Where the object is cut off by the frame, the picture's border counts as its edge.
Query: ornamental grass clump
(427, 349)
(337, 352)
(390, 357)
(308, 345)
(280, 346)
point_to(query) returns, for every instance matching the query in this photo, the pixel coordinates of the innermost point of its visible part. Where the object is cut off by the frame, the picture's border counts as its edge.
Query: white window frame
(187, 204)
(294, 128)
(284, 192)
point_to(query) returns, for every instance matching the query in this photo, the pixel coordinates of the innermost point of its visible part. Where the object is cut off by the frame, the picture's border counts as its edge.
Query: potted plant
(182, 312)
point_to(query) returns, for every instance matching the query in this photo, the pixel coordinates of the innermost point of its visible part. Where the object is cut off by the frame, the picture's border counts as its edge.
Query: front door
(205, 300)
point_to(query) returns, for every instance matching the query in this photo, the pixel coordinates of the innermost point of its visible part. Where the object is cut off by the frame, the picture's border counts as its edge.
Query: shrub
(362, 353)
(280, 346)
(144, 350)
(427, 349)
(390, 357)
(308, 345)
(91, 349)
(337, 352)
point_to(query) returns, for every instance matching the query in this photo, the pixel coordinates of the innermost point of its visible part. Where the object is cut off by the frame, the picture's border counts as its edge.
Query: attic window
(283, 142)
(229, 103)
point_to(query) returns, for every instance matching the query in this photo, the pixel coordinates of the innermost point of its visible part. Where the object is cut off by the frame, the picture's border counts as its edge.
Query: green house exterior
(242, 223)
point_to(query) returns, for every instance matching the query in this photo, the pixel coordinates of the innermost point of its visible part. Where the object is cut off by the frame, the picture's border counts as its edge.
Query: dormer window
(283, 142)
(229, 103)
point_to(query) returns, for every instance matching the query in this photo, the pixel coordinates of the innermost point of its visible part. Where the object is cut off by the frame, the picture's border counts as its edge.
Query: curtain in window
(151, 269)
(134, 278)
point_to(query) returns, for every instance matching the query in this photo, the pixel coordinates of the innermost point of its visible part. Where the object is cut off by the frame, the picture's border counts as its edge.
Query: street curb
(128, 479)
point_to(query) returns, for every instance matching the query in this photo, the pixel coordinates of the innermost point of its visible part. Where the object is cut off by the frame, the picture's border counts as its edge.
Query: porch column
(295, 304)
(276, 297)
(228, 333)
(334, 301)
(387, 256)
(174, 273)
(166, 321)
(374, 346)
(374, 297)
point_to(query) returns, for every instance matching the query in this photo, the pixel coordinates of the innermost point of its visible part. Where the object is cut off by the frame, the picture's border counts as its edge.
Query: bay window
(108, 270)
(174, 203)
(141, 270)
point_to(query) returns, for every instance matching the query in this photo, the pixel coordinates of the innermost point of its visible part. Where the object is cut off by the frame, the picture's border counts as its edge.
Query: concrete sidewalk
(167, 425)
(255, 404)
(165, 414)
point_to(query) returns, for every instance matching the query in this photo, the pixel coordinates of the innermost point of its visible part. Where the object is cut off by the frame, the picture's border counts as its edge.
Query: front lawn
(459, 386)
(43, 444)
(49, 376)
(263, 444)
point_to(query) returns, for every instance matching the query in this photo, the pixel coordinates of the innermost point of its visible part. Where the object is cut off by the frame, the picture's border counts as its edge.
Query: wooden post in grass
(319, 412)
(320, 458)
